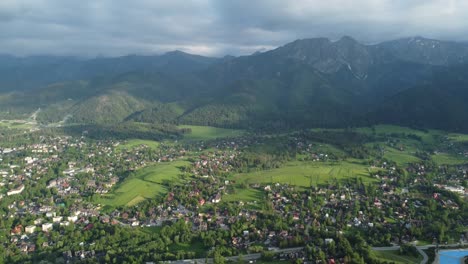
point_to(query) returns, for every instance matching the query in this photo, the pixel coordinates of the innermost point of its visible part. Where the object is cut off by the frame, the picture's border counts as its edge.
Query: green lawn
(133, 143)
(207, 132)
(244, 195)
(394, 256)
(304, 174)
(253, 199)
(143, 184)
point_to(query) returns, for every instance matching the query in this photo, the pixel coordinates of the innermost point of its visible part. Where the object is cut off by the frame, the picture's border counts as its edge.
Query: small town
(58, 188)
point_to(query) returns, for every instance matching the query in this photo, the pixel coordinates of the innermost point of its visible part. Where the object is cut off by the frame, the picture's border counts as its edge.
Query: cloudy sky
(215, 27)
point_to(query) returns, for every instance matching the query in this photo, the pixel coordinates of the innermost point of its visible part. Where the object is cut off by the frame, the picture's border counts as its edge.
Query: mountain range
(306, 83)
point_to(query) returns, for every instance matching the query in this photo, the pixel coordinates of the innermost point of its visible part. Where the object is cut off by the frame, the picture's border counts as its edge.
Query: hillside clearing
(208, 132)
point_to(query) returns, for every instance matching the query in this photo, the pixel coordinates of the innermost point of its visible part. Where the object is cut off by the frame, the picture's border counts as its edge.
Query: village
(51, 189)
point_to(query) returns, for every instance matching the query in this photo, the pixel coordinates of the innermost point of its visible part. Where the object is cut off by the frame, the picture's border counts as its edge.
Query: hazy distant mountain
(329, 57)
(38, 71)
(423, 51)
(310, 82)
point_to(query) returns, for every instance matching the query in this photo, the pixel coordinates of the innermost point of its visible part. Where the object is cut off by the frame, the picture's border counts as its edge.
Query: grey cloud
(215, 27)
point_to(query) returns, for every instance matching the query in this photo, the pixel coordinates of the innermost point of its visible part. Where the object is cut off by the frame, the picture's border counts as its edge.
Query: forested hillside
(307, 83)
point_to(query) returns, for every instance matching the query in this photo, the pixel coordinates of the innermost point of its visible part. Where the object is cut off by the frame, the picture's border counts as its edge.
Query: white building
(30, 229)
(52, 183)
(47, 227)
(455, 189)
(51, 214)
(16, 191)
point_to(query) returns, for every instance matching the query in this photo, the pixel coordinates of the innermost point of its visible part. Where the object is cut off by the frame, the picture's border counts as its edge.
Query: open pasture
(208, 132)
(305, 174)
(143, 184)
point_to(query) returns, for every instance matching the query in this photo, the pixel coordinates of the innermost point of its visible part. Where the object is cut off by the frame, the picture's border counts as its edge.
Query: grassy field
(207, 132)
(133, 143)
(448, 159)
(400, 157)
(12, 124)
(196, 246)
(252, 198)
(143, 184)
(245, 195)
(426, 136)
(304, 174)
(389, 129)
(458, 137)
(147, 182)
(395, 257)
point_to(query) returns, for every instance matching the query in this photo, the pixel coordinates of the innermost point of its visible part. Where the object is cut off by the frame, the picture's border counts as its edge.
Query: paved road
(235, 258)
(292, 250)
(386, 248)
(425, 257)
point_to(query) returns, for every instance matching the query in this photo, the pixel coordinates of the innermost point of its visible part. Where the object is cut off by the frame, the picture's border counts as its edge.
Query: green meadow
(207, 132)
(400, 157)
(143, 184)
(458, 137)
(305, 174)
(133, 143)
(148, 182)
(244, 195)
(449, 159)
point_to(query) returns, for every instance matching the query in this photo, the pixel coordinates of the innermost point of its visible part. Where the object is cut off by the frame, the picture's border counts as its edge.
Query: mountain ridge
(305, 83)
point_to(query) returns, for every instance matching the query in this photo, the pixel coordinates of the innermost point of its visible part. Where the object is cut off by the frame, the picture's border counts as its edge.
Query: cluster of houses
(45, 220)
(92, 171)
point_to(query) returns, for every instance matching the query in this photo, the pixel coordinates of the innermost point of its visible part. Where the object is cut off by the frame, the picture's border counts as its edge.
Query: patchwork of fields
(148, 182)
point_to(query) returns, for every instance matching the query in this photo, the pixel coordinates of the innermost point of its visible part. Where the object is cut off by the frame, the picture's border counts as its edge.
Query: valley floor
(330, 194)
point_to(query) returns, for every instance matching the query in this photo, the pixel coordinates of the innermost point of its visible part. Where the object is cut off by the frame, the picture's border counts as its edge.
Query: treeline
(160, 114)
(219, 115)
(127, 130)
(350, 142)
(111, 244)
